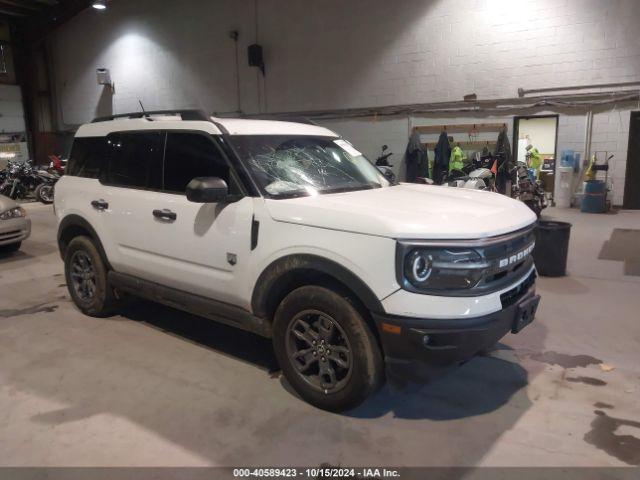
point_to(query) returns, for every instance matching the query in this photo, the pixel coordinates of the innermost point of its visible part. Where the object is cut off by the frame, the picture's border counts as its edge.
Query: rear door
(131, 182)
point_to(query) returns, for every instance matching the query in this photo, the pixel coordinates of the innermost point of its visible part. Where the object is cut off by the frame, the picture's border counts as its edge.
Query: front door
(202, 249)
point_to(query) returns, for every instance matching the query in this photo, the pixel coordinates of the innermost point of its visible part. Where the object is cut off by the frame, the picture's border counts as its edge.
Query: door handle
(99, 204)
(165, 214)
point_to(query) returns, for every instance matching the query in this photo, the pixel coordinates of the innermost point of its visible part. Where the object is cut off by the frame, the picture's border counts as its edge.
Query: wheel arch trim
(74, 221)
(283, 268)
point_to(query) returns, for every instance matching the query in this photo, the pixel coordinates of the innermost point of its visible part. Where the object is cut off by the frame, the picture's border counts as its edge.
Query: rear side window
(191, 155)
(87, 157)
(134, 160)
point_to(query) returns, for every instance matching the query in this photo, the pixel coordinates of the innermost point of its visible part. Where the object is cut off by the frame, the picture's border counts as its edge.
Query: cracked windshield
(290, 166)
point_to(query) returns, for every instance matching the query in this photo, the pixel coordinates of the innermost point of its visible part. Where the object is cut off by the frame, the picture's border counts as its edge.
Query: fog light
(425, 340)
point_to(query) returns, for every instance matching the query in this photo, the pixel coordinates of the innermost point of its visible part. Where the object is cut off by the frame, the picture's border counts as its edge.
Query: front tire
(86, 275)
(325, 349)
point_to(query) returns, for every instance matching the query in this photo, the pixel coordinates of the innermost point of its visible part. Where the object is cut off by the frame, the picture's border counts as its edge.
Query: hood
(408, 211)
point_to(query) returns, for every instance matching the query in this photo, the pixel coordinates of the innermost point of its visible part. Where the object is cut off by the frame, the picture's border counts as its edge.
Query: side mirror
(207, 190)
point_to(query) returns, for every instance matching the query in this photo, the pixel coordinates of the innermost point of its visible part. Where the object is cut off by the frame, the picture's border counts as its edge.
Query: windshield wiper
(292, 194)
(350, 189)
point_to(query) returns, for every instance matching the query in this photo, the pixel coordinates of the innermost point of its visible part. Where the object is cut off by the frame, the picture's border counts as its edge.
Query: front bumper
(416, 348)
(14, 230)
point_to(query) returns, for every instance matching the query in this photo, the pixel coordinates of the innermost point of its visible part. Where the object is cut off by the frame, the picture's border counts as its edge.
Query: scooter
(382, 164)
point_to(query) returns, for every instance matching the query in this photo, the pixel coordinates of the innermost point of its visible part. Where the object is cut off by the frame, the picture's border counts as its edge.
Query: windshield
(286, 165)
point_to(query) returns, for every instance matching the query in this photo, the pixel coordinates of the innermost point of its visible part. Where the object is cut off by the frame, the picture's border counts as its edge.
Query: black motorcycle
(44, 191)
(12, 185)
(20, 180)
(528, 191)
(382, 164)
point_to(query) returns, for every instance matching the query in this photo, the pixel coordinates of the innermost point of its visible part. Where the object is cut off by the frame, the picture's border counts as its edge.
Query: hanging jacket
(505, 170)
(456, 161)
(441, 159)
(503, 152)
(416, 158)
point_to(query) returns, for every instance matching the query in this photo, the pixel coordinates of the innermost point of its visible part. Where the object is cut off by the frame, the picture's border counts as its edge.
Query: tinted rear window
(134, 160)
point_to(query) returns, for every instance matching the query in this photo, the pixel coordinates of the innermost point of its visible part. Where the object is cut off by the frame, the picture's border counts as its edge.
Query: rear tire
(87, 281)
(308, 324)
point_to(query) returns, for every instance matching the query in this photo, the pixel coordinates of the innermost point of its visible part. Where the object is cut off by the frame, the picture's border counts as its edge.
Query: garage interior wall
(334, 54)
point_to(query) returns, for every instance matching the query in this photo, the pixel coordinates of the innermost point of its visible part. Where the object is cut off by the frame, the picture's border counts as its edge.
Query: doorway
(538, 135)
(632, 175)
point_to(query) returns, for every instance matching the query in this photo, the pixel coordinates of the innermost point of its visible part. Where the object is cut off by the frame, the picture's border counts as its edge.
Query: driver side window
(189, 155)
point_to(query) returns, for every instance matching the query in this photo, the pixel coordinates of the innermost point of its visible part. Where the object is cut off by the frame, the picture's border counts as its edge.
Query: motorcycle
(20, 180)
(382, 164)
(44, 191)
(57, 165)
(476, 175)
(528, 190)
(12, 185)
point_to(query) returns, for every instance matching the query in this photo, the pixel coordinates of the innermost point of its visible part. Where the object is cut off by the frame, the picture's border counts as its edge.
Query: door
(541, 133)
(632, 175)
(162, 237)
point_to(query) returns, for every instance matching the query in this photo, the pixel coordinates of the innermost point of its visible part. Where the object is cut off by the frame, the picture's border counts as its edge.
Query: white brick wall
(325, 54)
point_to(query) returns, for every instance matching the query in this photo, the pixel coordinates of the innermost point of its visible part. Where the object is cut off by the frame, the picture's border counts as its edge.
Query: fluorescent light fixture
(99, 4)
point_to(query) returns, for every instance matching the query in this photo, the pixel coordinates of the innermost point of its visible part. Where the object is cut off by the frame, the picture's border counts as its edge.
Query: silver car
(14, 225)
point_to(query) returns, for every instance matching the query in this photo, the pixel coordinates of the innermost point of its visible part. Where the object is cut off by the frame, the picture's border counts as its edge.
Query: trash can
(595, 197)
(552, 247)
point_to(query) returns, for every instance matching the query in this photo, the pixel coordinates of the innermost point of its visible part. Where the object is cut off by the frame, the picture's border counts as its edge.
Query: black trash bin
(552, 246)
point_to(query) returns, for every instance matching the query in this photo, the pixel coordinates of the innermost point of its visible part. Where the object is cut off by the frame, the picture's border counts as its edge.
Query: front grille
(512, 296)
(507, 260)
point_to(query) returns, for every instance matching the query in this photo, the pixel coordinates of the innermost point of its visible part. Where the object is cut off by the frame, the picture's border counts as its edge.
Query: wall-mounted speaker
(256, 59)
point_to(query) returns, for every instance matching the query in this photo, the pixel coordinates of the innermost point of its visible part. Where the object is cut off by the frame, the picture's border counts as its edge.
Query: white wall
(324, 54)
(541, 133)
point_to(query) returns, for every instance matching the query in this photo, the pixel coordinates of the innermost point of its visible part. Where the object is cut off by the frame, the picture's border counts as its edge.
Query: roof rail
(185, 114)
(282, 118)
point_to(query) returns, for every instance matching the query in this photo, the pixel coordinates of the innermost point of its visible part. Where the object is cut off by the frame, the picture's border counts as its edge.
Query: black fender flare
(279, 270)
(76, 222)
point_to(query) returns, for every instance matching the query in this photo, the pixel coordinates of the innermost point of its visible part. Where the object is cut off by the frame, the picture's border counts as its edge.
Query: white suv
(286, 230)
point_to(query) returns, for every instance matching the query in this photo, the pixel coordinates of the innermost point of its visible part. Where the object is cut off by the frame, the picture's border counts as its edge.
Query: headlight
(444, 268)
(16, 212)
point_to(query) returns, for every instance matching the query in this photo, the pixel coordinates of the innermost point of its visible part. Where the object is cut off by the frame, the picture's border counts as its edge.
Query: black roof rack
(185, 114)
(282, 118)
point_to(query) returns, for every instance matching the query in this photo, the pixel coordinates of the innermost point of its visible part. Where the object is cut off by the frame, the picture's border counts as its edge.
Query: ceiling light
(99, 4)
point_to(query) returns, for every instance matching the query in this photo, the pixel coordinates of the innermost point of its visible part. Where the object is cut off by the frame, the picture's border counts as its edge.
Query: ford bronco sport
(286, 230)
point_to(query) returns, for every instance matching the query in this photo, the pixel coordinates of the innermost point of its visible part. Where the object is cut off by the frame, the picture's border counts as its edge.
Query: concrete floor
(159, 387)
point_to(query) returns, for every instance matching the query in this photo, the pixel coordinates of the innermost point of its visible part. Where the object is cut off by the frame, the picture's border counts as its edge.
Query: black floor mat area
(623, 246)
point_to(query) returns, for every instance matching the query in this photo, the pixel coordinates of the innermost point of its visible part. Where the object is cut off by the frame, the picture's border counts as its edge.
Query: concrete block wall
(329, 54)
(611, 134)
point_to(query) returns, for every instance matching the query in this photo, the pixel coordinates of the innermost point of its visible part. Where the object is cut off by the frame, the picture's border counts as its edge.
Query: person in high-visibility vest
(534, 159)
(456, 161)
